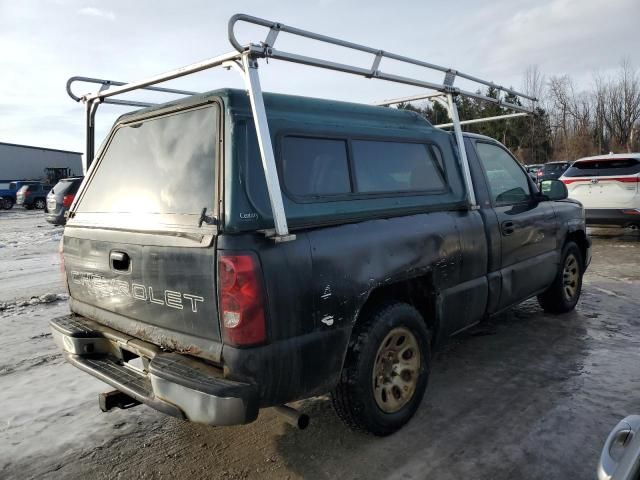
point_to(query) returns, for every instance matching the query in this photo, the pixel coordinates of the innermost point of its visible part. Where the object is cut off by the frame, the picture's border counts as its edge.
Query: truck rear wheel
(385, 372)
(564, 293)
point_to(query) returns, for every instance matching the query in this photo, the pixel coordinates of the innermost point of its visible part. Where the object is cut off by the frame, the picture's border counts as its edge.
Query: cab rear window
(604, 167)
(163, 165)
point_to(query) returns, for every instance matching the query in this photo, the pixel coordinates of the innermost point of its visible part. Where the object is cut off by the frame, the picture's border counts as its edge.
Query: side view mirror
(554, 189)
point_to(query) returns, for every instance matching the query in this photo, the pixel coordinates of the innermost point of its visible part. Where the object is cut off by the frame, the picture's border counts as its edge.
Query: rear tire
(564, 293)
(39, 204)
(385, 372)
(7, 203)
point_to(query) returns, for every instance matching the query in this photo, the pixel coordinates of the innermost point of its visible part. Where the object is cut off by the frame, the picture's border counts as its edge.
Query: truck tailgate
(161, 294)
(139, 246)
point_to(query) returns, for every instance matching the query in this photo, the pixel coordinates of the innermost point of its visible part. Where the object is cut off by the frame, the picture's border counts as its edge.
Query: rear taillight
(539, 173)
(625, 179)
(26, 193)
(597, 180)
(241, 299)
(67, 200)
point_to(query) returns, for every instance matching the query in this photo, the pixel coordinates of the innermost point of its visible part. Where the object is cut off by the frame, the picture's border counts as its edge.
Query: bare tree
(534, 83)
(601, 133)
(572, 116)
(622, 106)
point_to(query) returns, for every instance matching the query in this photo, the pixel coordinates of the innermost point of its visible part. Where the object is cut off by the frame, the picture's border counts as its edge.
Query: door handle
(120, 261)
(507, 228)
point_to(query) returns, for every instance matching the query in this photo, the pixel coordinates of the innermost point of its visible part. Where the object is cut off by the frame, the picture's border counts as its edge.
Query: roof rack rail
(245, 60)
(108, 83)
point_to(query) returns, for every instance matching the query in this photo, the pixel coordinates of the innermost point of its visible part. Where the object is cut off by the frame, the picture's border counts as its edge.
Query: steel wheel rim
(570, 277)
(396, 370)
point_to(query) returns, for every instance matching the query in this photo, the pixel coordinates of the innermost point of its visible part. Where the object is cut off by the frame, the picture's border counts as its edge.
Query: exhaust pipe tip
(293, 417)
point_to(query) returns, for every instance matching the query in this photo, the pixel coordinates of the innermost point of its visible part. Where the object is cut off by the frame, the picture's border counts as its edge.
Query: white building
(24, 162)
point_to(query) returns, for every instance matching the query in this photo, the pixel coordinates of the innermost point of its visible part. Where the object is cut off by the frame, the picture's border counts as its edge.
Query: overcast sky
(42, 43)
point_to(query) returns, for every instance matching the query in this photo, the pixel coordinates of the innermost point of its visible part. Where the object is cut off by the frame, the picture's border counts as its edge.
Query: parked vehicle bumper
(612, 216)
(56, 218)
(173, 383)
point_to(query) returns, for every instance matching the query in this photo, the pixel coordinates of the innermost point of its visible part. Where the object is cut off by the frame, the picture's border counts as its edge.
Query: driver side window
(508, 183)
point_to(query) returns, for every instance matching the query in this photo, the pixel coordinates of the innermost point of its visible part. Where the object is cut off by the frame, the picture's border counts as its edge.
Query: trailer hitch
(115, 398)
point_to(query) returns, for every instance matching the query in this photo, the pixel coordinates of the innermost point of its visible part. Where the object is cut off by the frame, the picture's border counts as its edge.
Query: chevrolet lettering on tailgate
(108, 287)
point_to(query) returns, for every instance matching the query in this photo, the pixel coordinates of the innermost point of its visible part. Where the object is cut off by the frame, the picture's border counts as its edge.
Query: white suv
(608, 186)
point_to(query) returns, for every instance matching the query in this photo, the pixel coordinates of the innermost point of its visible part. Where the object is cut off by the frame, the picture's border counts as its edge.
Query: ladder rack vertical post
(464, 161)
(90, 117)
(252, 81)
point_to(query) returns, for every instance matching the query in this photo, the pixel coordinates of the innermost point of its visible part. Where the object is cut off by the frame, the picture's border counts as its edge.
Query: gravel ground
(525, 395)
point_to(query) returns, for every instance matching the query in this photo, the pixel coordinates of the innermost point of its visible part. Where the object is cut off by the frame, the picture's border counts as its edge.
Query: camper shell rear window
(160, 166)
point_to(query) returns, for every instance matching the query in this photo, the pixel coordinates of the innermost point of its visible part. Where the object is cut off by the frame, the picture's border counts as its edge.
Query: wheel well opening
(417, 291)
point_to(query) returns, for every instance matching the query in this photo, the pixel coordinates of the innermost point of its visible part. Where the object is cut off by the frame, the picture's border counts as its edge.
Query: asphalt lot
(525, 395)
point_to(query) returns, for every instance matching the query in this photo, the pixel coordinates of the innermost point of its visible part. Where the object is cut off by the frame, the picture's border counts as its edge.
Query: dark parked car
(8, 195)
(33, 196)
(170, 261)
(60, 199)
(551, 171)
(532, 170)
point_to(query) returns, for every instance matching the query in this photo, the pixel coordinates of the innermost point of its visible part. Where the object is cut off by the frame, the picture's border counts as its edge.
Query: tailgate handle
(120, 261)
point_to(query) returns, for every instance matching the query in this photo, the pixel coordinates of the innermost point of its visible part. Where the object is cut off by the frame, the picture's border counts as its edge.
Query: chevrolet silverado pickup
(179, 299)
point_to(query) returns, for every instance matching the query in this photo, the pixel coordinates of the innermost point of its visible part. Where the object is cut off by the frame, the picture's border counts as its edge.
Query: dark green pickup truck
(181, 298)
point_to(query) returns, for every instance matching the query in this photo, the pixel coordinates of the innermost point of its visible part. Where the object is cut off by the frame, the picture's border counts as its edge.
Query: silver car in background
(60, 199)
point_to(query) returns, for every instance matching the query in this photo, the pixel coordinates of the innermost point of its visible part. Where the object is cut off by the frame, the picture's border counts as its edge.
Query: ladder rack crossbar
(410, 98)
(484, 119)
(147, 84)
(108, 83)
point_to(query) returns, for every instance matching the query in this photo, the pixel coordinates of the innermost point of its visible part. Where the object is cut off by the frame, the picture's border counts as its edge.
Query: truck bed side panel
(299, 359)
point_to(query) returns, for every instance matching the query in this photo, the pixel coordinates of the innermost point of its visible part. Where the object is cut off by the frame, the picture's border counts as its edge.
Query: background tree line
(567, 124)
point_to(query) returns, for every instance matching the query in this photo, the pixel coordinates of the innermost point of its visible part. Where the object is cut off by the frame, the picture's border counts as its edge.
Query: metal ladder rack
(245, 60)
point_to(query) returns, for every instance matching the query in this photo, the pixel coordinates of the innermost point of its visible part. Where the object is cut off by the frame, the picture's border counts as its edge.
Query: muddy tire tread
(552, 300)
(346, 397)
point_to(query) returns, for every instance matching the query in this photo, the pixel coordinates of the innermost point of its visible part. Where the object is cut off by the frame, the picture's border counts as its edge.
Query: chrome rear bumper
(175, 384)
